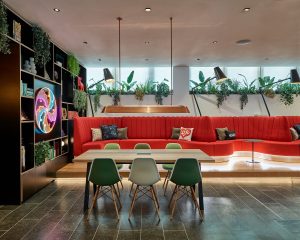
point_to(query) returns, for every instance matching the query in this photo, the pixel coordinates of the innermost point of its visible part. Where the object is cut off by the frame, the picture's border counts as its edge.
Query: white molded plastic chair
(144, 174)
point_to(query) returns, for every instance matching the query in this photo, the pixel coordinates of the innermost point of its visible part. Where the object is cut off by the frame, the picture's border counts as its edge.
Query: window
(251, 73)
(277, 72)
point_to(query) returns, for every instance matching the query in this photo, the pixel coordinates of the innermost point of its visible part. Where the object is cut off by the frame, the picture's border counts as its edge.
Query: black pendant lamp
(220, 76)
(108, 76)
(295, 77)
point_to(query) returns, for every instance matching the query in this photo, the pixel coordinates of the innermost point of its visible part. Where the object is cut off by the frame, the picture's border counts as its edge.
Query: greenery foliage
(162, 90)
(80, 100)
(129, 84)
(115, 94)
(140, 92)
(4, 41)
(41, 46)
(73, 65)
(41, 152)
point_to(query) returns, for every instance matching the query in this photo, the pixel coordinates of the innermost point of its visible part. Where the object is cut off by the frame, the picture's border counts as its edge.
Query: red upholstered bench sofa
(274, 131)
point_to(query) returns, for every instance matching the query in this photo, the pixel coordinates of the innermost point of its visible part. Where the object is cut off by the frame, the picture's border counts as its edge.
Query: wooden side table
(252, 141)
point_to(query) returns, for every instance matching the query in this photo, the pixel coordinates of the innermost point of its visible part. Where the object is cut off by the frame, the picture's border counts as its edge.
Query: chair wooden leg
(176, 186)
(155, 195)
(155, 200)
(94, 201)
(196, 202)
(165, 179)
(175, 201)
(114, 199)
(118, 190)
(118, 197)
(133, 201)
(122, 185)
(166, 187)
(131, 189)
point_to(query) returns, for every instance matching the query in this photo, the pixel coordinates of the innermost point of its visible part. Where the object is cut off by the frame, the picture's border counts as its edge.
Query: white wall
(207, 103)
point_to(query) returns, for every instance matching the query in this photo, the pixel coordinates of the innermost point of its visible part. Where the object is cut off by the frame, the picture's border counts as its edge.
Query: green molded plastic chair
(104, 173)
(186, 174)
(169, 167)
(114, 146)
(144, 174)
(139, 146)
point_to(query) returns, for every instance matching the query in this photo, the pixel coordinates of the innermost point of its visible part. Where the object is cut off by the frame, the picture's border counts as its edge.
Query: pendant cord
(171, 23)
(119, 19)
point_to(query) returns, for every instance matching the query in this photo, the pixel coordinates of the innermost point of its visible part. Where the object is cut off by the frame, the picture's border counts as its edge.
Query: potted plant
(139, 92)
(73, 65)
(41, 152)
(4, 41)
(80, 101)
(162, 90)
(41, 46)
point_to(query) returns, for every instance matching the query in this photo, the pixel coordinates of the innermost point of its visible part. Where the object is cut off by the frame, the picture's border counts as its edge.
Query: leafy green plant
(73, 65)
(266, 85)
(139, 92)
(115, 94)
(201, 86)
(150, 87)
(80, 100)
(128, 85)
(245, 90)
(222, 93)
(97, 95)
(41, 46)
(41, 152)
(286, 92)
(162, 90)
(4, 41)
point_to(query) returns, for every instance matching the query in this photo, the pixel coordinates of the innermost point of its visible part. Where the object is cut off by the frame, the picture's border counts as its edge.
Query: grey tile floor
(234, 209)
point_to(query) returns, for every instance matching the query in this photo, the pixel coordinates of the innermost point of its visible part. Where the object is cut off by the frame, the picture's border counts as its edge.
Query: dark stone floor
(234, 209)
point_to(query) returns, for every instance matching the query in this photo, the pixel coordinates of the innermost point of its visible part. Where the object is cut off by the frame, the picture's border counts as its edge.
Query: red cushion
(202, 127)
(97, 144)
(82, 129)
(145, 127)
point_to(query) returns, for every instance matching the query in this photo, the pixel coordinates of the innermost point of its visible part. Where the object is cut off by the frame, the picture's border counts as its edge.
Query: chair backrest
(144, 172)
(142, 146)
(186, 172)
(112, 146)
(173, 146)
(104, 172)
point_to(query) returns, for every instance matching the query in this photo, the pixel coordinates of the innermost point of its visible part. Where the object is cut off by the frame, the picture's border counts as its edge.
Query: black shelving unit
(20, 177)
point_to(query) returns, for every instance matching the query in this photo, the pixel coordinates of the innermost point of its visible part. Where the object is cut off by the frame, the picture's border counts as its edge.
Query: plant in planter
(97, 95)
(80, 101)
(41, 46)
(115, 94)
(150, 87)
(286, 91)
(222, 93)
(245, 90)
(73, 65)
(41, 152)
(139, 92)
(4, 41)
(266, 85)
(129, 84)
(200, 87)
(162, 90)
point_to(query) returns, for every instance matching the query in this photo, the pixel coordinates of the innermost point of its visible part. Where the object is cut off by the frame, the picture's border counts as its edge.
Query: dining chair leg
(176, 186)
(155, 200)
(114, 199)
(131, 189)
(118, 189)
(133, 201)
(193, 197)
(94, 201)
(122, 185)
(155, 195)
(175, 201)
(196, 202)
(166, 187)
(118, 197)
(165, 179)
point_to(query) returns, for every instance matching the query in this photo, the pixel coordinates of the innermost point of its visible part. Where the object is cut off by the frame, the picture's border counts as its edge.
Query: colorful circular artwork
(45, 110)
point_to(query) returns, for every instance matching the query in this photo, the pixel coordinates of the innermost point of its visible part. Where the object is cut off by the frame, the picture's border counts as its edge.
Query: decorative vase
(32, 66)
(26, 66)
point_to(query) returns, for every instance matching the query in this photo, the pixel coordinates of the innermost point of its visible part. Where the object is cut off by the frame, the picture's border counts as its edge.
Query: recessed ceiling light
(147, 9)
(99, 59)
(247, 9)
(146, 59)
(266, 59)
(85, 42)
(214, 42)
(243, 41)
(198, 59)
(147, 42)
(56, 10)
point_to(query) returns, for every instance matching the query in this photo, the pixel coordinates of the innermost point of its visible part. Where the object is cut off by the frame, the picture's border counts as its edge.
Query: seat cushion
(168, 167)
(154, 143)
(97, 144)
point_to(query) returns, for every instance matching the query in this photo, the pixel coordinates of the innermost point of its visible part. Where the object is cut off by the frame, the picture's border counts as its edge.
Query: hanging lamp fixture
(119, 20)
(171, 26)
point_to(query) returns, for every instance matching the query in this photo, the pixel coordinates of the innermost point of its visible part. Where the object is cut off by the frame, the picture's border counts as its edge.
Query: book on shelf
(17, 27)
(29, 92)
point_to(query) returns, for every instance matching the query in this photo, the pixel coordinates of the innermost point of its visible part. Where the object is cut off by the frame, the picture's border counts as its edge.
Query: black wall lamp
(108, 78)
(294, 79)
(219, 76)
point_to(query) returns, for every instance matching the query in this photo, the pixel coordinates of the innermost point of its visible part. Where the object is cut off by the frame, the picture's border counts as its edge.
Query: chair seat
(119, 166)
(168, 167)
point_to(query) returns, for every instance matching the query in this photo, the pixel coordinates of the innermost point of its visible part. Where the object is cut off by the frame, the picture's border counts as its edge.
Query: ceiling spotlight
(148, 9)
(85, 42)
(99, 59)
(146, 59)
(243, 41)
(56, 10)
(214, 42)
(198, 59)
(247, 9)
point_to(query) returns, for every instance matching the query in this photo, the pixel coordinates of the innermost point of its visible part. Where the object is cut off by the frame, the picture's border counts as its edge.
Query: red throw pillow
(186, 134)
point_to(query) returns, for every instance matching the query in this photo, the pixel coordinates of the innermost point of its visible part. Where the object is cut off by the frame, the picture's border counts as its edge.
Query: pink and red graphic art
(45, 110)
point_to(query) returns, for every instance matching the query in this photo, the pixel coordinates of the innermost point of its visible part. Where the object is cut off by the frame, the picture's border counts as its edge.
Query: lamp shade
(295, 77)
(108, 76)
(220, 76)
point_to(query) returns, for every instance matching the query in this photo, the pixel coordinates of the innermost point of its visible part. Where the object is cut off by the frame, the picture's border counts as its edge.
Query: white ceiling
(272, 25)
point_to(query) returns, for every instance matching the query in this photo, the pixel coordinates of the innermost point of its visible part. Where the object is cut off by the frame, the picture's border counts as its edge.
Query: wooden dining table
(126, 156)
